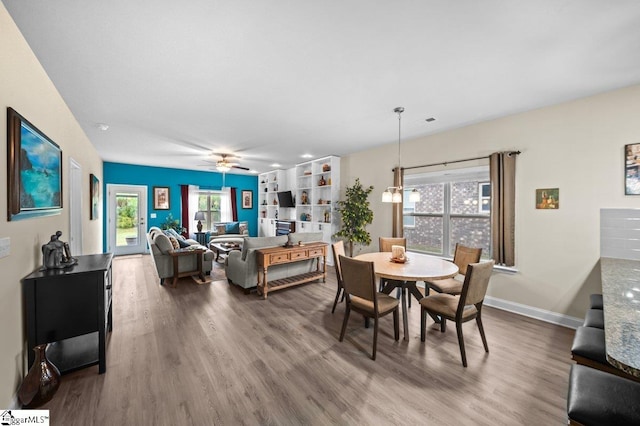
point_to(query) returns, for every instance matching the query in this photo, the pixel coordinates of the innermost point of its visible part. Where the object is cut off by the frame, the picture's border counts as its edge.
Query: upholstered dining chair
(462, 257)
(460, 308)
(384, 244)
(359, 282)
(338, 250)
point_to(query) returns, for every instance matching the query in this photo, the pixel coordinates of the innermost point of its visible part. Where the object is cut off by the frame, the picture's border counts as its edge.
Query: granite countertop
(621, 295)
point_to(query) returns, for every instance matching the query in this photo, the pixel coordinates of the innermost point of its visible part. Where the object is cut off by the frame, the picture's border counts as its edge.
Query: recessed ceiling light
(276, 165)
(307, 156)
(430, 119)
(255, 172)
(102, 126)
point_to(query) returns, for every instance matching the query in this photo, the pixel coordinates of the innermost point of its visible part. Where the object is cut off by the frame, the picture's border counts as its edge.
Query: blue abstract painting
(40, 171)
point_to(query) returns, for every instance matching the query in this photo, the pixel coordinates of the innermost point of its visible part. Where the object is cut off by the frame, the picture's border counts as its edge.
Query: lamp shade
(396, 197)
(199, 216)
(386, 196)
(414, 196)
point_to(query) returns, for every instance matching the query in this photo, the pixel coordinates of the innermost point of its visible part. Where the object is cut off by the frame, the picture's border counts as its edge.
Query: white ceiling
(272, 80)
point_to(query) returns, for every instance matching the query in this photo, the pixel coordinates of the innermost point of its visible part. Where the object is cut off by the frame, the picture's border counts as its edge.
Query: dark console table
(71, 310)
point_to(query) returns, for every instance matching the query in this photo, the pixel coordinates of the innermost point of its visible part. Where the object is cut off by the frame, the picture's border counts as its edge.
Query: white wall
(577, 147)
(25, 87)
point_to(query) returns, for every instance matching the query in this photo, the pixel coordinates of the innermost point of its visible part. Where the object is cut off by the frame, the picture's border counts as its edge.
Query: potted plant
(356, 215)
(171, 223)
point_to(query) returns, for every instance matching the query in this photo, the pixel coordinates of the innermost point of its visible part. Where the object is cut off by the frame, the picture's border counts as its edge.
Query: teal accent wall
(130, 174)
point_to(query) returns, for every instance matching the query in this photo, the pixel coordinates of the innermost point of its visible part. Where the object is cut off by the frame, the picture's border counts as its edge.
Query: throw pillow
(174, 243)
(221, 229)
(243, 228)
(183, 243)
(232, 228)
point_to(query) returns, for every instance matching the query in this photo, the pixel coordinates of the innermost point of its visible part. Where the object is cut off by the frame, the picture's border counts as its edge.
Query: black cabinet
(71, 309)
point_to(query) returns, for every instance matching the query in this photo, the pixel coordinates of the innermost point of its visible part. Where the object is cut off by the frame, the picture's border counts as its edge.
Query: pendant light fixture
(393, 194)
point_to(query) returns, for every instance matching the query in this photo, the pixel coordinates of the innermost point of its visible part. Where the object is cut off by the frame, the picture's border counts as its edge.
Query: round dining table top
(418, 267)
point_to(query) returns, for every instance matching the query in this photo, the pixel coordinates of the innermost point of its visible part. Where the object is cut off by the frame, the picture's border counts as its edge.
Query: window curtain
(194, 195)
(184, 207)
(234, 205)
(226, 214)
(397, 220)
(502, 171)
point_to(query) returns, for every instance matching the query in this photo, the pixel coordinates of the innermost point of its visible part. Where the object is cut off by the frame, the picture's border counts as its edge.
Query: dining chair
(462, 257)
(359, 281)
(384, 244)
(460, 308)
(338, 250)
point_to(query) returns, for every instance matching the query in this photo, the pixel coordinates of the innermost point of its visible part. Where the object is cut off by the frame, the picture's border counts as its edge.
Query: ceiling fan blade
(241, 168)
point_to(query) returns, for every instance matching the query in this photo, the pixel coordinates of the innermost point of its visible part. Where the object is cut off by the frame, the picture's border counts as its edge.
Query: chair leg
(335, 302)
(345, 321)
(481, 328)
(396, 324)
(366, 322)
(461, 343)
(375, 337)
(443, 324)
(423, 323)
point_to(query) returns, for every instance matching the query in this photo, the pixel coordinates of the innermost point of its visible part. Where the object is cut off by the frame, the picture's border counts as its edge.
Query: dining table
(417, 267)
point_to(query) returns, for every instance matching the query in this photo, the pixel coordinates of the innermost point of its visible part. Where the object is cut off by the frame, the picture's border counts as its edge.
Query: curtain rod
(445, 163)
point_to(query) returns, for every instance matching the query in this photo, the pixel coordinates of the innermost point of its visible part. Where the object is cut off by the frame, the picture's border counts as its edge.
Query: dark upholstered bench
(599, 398)
(594, 318)
(595, 301)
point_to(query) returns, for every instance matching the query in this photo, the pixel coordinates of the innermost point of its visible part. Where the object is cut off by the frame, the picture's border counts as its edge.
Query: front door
(126, 219)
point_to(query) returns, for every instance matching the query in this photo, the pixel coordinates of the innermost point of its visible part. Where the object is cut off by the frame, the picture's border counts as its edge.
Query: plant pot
(131, 241)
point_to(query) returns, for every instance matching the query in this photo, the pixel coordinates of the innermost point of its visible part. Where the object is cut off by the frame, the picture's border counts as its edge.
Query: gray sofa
(219, 232)
(160, 246)
(242, 268)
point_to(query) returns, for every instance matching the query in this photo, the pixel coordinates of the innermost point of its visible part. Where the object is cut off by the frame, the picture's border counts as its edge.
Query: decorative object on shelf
(247, 199)
(326, 167)
(356, 215)
(307, 172)
(548, 198)
(322, 182)
(199, 217)
(327, 216)
(320, 201)
(304, 198)
(94, 195)
(264, 213)
(275, 202)
(632, 169)
(42, 380)
(34, 183)
(161, 197)
(396, 196)
(56, 254)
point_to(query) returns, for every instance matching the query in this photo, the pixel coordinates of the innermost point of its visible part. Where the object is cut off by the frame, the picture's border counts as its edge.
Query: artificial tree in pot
(356, 215)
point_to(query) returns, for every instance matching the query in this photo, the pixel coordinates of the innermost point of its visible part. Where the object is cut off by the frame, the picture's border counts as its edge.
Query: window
(408, 207)
(209, 202)
(454, 207)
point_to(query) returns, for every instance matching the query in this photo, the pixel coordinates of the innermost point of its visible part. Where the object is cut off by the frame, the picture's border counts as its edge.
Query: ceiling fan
(224, 165)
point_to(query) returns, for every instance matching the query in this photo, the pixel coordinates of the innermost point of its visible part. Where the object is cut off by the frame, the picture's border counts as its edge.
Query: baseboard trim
(536, 313)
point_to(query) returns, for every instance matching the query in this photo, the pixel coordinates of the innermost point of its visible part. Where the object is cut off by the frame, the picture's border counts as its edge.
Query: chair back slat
(476, 282)
(338, 250)
(464, 255)
(358, 278)
(385, 243)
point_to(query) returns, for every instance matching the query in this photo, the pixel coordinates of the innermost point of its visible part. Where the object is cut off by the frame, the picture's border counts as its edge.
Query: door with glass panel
(126, 225)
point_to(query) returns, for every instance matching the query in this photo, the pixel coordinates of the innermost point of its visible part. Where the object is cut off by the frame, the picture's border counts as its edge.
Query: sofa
(228, 232)
(161, 245)
(242, 267)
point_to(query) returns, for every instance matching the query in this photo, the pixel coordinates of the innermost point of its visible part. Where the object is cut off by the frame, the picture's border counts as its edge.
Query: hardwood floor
(209, 354)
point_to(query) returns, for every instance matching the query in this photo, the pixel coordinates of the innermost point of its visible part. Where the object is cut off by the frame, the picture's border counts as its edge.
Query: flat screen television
(285, 199)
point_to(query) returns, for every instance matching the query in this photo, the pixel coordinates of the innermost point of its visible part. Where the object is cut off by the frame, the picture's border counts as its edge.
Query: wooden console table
(278, 255)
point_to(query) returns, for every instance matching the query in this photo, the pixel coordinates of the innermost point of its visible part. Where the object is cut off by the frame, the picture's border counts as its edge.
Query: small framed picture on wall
(94, 194)
(632, 169)
(247, 199)
(161, 197)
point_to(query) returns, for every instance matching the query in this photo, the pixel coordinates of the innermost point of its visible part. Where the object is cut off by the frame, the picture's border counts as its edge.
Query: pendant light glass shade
(414, 196)
(386, 196)
(397, 196)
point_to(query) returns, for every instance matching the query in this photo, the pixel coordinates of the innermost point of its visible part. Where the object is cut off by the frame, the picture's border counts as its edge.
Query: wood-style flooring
(212, 355)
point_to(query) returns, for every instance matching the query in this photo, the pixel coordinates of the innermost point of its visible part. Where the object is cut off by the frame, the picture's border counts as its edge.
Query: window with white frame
(454, 207)
(210, 203)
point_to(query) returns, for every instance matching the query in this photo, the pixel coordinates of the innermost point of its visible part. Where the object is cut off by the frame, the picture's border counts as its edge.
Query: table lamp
(199, 217)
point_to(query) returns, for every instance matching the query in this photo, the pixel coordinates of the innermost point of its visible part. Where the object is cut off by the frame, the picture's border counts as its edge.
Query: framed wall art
(632, 169)
(34, 165)
(247, 199)
(161, 197)
(94, 194)
(548, 198)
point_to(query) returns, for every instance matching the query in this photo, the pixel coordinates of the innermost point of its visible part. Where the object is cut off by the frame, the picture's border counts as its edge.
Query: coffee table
(224, 248)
